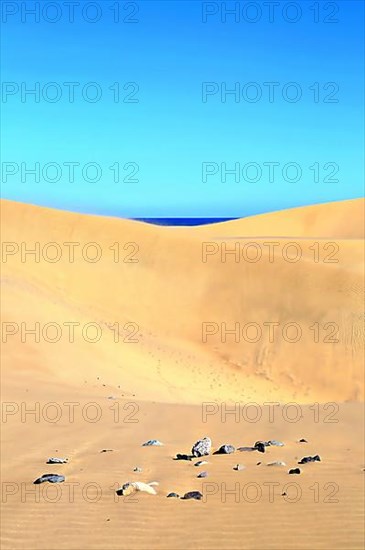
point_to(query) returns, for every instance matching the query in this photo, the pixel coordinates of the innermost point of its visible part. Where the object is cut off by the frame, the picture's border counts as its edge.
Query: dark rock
(202, 474)
(294, 471)
(303, 440)
(283, 494)
(106, 450)
(306, 459)
(238, 467)
(258, 463)
(260, 446)
(202, 447)
(173, 495)
(183, 457)
(51, 478)
(225, 450)
(192, 495)
(137, 469)
(55, 460)
(262, 443)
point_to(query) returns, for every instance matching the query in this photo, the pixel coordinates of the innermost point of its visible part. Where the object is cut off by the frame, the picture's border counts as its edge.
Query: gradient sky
(170, 132)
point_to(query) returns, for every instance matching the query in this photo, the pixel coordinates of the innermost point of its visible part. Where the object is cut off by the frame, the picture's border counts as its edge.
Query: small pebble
(202, 474)
(306, 459)
(294, 471)
(276, 463)
(225, 450)
(51, 478)
(201, 463)
(152, 443)
(303, 440)
(173, 495)
(137, 469)
(55, 460)
(180, 456)
(192, 495)
(275, 443)
(239, 467)
(106, 450)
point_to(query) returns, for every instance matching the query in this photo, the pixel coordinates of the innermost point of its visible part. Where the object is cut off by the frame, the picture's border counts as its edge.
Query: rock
(306, 459)
(134, 486)
(294, 471)
(225, 450)
(202, 447)
(276, 463)
(260, 446)
(262, 443)
(173, 495)
(202, 474)
(192, 495)
(106, 450)
(180, 456)
(201, 463)
(55, 460)
(137, 469)
(303, 440)
(275, 443)
(258, 463)
(152, 443)
(51, 478)
(239, 467)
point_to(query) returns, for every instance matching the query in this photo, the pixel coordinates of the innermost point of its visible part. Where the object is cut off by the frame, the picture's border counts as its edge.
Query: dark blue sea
(183, 221)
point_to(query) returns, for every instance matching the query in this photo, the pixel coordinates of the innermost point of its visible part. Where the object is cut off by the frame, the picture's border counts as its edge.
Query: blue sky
(171, 148)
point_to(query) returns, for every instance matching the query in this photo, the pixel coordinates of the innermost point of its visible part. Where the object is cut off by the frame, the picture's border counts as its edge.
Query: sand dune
(159, 300)
(175, 297)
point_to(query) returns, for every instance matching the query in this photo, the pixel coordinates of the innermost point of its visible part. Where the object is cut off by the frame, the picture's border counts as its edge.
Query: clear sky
(162, 136)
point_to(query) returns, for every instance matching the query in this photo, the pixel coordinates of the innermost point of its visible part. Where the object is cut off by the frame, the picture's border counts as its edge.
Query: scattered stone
(303, 440)
(192, 495)
(133, 486)
(306, 459)
(283, 494)
(260, 443)
(55, 460)
(137, 469)
(239, 467)
(112, 397)
(260, 446)
(225, 450)
(152, 443)
(258, 463)
(180, 456)
(173, 495)
(201, 463)
(275, 443)
(294, 471)
(106, 450)
(202, 447)
(202, 474)
(51, 478)
(276, 463)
